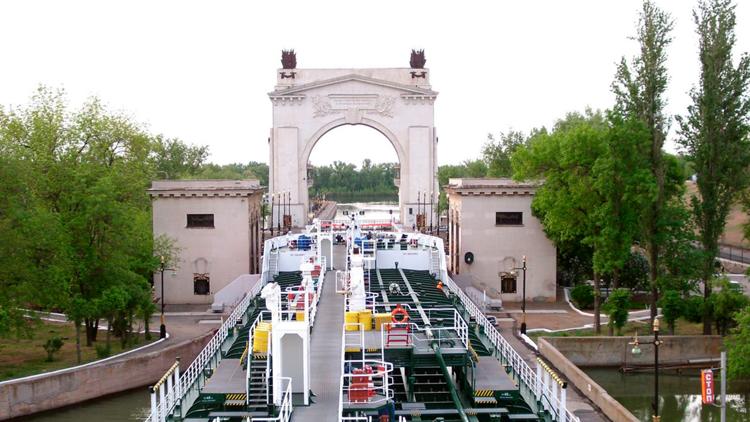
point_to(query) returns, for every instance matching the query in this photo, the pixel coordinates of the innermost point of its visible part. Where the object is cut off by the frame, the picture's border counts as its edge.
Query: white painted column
(538, 383)
(154, 414)
(563, 401)
(163, 409)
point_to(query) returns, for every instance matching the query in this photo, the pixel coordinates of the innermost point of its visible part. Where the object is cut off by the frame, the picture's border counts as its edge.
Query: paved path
(325, 351)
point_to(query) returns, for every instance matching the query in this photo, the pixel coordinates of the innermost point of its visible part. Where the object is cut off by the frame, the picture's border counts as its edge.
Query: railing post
(154, 414)
(538, 383)
(563, 401)
(162, 408)
(555, 403)
(545, 387)
(170, 391)
(178, 387)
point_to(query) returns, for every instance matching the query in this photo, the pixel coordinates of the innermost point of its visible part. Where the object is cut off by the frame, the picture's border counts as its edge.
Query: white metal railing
(165, 392)
(370, 393)
(382, 370)
(508, 355)
(286, 408)
(522, 369)
(206, 358)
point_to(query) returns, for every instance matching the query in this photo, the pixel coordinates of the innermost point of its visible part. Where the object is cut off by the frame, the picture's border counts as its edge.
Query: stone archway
(307, 103)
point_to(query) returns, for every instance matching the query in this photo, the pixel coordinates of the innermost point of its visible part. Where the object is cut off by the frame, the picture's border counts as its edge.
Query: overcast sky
(201, 71)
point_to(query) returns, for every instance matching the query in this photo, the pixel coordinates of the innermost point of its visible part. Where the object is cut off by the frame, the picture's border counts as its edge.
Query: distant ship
(371, 329)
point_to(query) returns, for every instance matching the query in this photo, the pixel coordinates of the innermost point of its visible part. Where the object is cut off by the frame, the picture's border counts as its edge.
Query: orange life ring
(399, 311)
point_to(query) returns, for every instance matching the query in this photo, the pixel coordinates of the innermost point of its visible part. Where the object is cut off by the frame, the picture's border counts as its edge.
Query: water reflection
(124, 407)
(680, 395)
(372, 210)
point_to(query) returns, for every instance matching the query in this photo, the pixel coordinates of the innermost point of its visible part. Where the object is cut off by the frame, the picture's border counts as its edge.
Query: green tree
(77, 214)
(175, 159)
(725, 304)
(672, 307)
(565, 203)
(617, 307)
(640, 89)
(715, 130)
(594, 183)
(738, 346)
(496, 153)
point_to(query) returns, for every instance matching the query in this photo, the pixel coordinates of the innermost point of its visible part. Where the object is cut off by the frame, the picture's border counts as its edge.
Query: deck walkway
(325, 356)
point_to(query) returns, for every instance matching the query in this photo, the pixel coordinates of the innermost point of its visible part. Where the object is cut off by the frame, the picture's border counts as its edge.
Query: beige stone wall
(615, 351)
(494, 247)
(64, 388)
(224, 252)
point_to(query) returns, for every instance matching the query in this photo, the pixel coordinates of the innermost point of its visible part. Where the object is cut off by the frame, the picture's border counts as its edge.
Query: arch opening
(358, 167)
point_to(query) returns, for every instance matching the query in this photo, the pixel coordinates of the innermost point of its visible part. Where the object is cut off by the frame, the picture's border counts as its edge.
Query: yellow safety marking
(259, 355)
(549, 370)
(352, 349)
(373, 349)
(235, 396)
(483, 393)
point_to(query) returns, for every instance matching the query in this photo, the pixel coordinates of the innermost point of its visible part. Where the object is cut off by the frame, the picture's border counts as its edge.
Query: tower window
(508, 218)
(200, 221)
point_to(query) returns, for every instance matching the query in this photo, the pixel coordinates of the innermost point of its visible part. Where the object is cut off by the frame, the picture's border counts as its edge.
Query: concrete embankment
(566, 354)
(42, 392)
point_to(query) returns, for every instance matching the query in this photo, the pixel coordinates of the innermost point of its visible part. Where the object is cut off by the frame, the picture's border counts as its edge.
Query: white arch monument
(398, 102)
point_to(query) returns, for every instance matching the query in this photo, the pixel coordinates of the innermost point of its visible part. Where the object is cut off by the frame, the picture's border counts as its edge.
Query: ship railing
(208, 358)
(286, 408)
(421, 338)
(440, 325)
(370, 301)
(354, 341)
(508, 355)
(363, 388)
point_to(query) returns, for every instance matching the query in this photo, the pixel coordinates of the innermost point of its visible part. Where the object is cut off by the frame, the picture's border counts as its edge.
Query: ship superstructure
(357, 320)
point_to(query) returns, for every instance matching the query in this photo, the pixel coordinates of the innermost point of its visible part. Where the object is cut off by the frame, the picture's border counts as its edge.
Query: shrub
(583, 296)
(634, 274)
(616, 307)
(672, 307)
(725, 304)
(103, 351)
(693, 309)
(52, 346)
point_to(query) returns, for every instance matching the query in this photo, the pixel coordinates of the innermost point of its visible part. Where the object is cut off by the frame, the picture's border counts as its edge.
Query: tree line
(75, 217)
(611, 192)
(345, 181)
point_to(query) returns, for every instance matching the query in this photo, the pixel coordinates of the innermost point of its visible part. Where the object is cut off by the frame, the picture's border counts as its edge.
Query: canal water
(129, 406)
(680, 395)
(368, 210)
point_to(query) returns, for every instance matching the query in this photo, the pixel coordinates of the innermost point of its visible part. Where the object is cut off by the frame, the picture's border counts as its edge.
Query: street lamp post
(523, 298)
(637, 351)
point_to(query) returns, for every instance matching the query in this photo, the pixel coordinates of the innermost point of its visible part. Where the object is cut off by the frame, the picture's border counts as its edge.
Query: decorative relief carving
(348, 104)
(384, 106)
(321, 106)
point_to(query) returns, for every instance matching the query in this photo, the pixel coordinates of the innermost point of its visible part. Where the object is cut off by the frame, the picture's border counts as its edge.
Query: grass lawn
(26, 356)
(682, 328)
